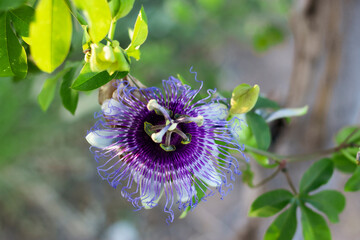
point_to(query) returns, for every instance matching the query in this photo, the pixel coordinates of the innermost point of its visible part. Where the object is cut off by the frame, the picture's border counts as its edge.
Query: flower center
(157, 132)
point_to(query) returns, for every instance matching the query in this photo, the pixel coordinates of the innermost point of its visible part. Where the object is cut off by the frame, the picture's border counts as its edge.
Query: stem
(111, 33)
(288, 179)
(75, 13)
(265, 180)
(299, 157)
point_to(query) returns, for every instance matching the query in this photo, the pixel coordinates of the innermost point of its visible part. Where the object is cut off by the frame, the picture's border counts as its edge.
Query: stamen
(153, 104)
(157, 137)
(168, 138)
(181, 134)
(199, 120)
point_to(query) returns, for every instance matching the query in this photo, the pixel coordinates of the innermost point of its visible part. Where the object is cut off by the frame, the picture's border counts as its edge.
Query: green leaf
(200, 194)
(314, 225)
(13, 61)
(244, 98)
(98, 14)
(330, 202)
(353, 184)
(287, 112)
(8, 4)
(50, 34)
(343, 163)
(120, 8)
(345, 132)
(264, 102)
(21, 18)
(260, 129)
(247, 175)
(270, 203)
(69, 96)
(284, 226)
(47, 93)
(317, 175)
(88, 80)
(140, 32)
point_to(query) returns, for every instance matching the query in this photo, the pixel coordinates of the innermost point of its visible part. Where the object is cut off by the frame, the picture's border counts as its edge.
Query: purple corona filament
(154, 144)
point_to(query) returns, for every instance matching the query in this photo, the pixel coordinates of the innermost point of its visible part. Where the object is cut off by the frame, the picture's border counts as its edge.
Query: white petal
(214, 111)
(185, 193)
(111, 107)
(101, 138)
(150, 195)
(208, 173)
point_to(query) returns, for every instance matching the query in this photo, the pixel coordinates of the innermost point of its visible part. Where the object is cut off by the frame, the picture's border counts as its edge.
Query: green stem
(265, 180)
(75, 13)
(111, 33)
(299, 157)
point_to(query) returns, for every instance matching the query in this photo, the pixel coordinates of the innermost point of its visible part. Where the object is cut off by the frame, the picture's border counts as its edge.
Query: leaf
(13, 61)
(330, 202)
(284, 226)
(69, 96)
(200, 194)
(345, 132)
(248, 175)
(267, 37)
(244, 98)
(21, 18)
(8, 4)
(50, 34)
(263, 102)
(98, 14)
(260, 129)
(343, 164)
(314, 225)
(47, 93)
(120, 8)
(270, 203)
(88, 80)
(353, 184)
(317, 175)
(140, 31)
(287, 112)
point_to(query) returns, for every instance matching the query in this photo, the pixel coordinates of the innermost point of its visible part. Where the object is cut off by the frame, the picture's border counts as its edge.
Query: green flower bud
(244, 98)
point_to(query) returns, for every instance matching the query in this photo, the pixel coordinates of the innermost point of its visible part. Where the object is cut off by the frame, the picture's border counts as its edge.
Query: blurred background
(300, 52)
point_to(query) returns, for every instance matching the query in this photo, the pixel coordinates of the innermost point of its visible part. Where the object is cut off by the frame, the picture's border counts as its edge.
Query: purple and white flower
(155, 142)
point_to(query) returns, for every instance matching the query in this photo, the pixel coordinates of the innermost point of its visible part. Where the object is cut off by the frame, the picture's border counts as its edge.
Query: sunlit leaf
(314, 226)
(284, 226)
(98, 14)
(139, 34)
(317, 175)
(120, 8)
(13, 61)
(50, 34)
(270, 203)
(330, 202)
(21, 18)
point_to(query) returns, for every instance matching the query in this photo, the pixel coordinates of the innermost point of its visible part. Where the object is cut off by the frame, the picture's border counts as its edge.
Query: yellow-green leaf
(47, 93)
(140, 33)
(98, 14)
(50, 34)
(244, 98)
